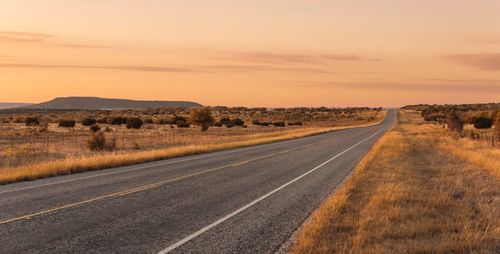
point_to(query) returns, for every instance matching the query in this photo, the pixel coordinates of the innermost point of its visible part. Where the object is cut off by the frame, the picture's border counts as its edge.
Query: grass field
(64, 150)
(419, 190)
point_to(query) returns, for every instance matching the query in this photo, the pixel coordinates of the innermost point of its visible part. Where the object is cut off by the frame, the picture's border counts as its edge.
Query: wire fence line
(18, 150)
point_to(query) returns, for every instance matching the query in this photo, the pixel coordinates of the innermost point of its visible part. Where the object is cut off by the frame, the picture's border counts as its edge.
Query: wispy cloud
(254, 68)
(485, 61)
(274, 58)
(194, 68)
(13, 36)
(89, 46)
(395, 86)
(102, 67)
(44, 39)
(468, 81)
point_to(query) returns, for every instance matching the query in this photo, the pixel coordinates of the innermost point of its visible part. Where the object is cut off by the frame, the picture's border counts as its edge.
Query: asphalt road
(248, 200)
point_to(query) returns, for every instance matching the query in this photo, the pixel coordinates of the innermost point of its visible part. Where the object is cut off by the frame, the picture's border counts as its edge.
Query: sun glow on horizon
(252, 53)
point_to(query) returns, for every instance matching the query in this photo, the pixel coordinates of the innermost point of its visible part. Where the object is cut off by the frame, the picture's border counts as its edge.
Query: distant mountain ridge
(6, 105)
(96, 103)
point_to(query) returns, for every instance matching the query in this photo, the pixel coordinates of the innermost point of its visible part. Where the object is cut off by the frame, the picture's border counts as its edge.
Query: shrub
(148, 121)
(295, 123)
(454, 122)
(162, 121)
(434, 117)
(255, 122)
(497, 128)
(180, 122)
(102, 120)
(279, 124)
(134, 123)
(89, 121)
(265, 123)
(32, 121)
(483, 123)
(95, 128)
(66, 123)
(97, 142)
(224, 120)
(237, 122)
(202, 117)
(117, 120)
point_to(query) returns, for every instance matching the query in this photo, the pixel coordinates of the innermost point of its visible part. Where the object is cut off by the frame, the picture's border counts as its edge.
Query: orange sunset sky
(252, 53)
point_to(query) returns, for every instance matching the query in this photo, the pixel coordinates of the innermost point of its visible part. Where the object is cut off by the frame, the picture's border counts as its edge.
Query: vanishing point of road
(247, 200)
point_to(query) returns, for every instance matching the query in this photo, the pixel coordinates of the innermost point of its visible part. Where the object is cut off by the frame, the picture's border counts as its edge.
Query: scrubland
(47, 149)
(421, 189)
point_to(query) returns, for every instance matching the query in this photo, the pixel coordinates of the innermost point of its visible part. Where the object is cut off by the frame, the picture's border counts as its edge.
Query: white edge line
(221, 220)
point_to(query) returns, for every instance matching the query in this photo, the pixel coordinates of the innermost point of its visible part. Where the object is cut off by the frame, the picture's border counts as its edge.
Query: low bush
(134, 123)
(454, 122)
(483, 123)
(32, 121)
(298, 123)
(497, 128)
(89, 121)
(255, 122)
(102, 120)
(224, 120)
(279, 124)
(237, 122)
(117, 120)
(65, 123)
(95, 128)
(202, 117)
(181, 122)
(97, 142)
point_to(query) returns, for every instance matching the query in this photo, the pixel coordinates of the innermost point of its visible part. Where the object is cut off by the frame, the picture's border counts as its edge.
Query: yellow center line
(148, 186)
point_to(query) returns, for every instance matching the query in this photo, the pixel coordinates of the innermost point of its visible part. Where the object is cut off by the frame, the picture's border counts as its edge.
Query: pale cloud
(43, 39)
(99, 67)
(282, 58)
(171, 69)
(13, 36)
(83, 46)
(485, 61)
(471, 87)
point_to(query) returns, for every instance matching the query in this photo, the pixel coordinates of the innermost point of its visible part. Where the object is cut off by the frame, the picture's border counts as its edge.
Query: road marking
(227, 217)
(151, 186)
(220, 153)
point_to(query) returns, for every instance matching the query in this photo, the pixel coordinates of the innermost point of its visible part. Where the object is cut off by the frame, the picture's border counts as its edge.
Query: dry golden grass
(478, 153)
(108, 160)
(22, 145)
(409, 195)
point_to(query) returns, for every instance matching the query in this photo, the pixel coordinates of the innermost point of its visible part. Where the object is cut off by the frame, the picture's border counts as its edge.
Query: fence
(17, 150)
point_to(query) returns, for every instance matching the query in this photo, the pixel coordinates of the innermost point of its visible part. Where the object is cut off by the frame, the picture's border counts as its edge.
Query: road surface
(248, 200)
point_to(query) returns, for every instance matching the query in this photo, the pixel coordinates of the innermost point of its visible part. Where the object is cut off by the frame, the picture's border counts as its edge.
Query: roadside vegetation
(33, 147)
(470, 121)
(421, 189)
